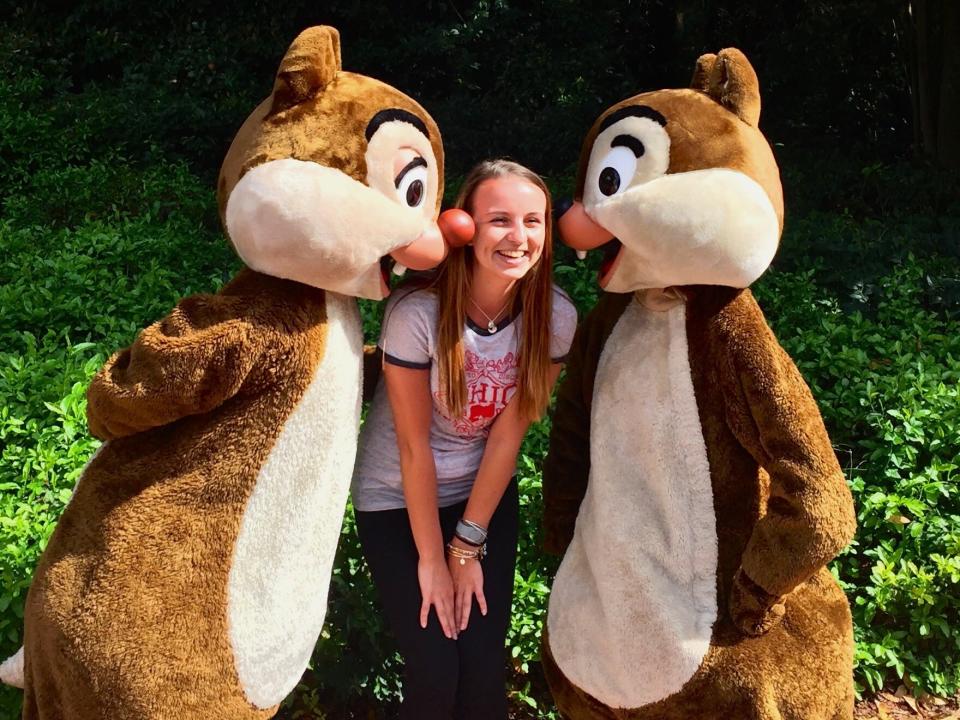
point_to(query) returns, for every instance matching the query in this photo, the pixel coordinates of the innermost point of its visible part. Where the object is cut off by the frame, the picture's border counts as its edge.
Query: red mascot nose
(457, 227)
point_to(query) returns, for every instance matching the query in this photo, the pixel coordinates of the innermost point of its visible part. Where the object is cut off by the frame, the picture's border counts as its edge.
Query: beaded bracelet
(463, 555)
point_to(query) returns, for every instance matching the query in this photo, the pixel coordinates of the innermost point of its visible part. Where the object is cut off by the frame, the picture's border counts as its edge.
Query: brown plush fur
(782, 645)
(126, 617)
(782, 507)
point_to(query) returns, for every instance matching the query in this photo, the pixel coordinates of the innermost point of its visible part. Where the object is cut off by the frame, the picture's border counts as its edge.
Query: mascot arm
(186, 364)
(809, 516)
(567, 465)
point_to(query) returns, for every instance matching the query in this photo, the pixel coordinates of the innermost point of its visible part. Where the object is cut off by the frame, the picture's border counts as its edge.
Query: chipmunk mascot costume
(188, 576)
(690, 481)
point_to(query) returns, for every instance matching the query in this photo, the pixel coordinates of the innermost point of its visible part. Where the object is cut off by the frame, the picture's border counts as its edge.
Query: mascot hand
(753, 610)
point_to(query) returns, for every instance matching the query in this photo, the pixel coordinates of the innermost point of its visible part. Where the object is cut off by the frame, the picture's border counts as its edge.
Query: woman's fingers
(468, 582)
(457, 604)
(424, 612)
(464, 601)
(481, 600)
(436, 589)
(445, 613)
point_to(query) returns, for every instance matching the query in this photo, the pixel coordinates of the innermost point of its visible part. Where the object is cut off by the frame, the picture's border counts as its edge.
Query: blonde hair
(533, 298)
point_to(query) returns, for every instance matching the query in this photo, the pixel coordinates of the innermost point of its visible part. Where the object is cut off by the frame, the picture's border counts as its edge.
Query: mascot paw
(753, 610)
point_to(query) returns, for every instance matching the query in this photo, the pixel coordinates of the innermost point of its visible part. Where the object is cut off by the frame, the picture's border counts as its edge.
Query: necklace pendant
(491, 327)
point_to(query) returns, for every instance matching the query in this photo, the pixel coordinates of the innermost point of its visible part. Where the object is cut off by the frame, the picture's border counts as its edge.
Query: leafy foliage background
(114, 118)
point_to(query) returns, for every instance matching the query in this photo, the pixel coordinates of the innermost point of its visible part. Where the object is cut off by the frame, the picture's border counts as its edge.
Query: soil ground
(902, 704)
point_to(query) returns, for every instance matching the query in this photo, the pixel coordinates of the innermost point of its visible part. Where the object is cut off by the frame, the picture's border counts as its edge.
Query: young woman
(469, 360)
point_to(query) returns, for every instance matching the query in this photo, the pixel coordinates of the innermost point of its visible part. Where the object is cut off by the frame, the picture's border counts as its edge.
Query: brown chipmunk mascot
(690, 480)
(188, 576)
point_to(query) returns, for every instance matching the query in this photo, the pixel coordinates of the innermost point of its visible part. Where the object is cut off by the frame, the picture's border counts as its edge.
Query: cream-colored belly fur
(277, 590)
(634, 600)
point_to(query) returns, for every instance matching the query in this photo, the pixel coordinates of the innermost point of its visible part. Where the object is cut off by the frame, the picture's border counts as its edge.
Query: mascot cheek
(709, 227)
(313, 224)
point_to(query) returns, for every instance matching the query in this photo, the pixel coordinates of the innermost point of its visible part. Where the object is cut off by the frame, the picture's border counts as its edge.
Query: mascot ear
(730, 79)
(701, 73)
(308, 67)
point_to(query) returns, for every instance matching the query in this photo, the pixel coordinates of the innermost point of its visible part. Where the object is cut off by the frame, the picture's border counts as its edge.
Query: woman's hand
(436, 588)
(467, 583)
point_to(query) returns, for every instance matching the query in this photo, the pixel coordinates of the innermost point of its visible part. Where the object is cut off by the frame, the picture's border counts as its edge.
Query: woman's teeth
(512, 253)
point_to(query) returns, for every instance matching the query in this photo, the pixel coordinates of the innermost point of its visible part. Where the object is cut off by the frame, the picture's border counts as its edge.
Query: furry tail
(11, 671)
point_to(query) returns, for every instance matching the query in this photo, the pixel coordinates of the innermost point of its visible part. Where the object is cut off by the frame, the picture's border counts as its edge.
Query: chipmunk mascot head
(690, 481)
(188, 576)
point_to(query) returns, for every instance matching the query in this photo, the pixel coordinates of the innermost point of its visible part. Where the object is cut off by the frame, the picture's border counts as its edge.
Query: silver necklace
(491, 321)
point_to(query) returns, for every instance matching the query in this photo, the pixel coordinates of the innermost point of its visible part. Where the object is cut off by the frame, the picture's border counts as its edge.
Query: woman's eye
(412, 183)
(617, 170)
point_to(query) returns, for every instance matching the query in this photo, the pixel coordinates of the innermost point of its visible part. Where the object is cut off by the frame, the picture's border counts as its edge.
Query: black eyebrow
(641, 111)
(416, 162)
(628, 141)
(391, 114)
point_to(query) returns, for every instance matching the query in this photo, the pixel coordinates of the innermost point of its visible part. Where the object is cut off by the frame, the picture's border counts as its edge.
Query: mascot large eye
(401, 163)
(617, 170)
(411, 183)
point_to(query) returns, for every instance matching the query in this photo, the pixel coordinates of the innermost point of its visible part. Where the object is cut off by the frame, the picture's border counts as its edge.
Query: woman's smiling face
(510, 215)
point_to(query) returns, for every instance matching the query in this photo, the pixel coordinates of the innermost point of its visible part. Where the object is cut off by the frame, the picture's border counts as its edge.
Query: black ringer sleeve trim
(559, 360)
(394, 360)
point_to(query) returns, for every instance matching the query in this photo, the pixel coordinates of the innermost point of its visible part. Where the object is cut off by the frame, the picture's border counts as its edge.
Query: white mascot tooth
(581, 254)
(399, 269)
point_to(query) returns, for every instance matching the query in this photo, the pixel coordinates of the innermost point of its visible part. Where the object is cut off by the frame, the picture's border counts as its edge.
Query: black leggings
(445, 679)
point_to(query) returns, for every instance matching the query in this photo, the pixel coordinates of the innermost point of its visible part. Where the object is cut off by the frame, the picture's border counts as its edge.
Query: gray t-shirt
(409, 338)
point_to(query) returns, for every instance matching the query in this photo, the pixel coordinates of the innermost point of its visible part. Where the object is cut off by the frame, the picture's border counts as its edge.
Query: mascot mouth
(581, 232)
(612, 252)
